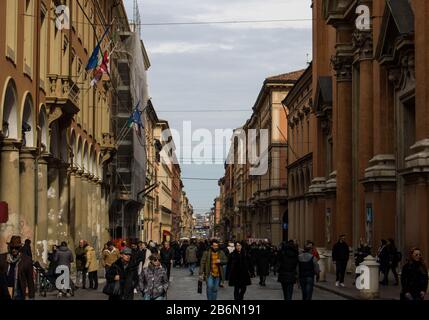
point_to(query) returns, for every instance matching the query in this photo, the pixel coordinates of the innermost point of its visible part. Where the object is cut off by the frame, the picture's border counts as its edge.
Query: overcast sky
(218, 67)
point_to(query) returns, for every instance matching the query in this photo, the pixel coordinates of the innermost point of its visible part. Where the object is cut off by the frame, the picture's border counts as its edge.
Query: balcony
(63, 92)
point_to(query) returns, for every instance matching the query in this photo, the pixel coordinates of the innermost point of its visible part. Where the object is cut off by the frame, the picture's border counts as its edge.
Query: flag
(135, 120)
(102, 69)
(93, 60)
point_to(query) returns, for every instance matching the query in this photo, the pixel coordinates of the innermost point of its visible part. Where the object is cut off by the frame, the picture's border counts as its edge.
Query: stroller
(46, 282)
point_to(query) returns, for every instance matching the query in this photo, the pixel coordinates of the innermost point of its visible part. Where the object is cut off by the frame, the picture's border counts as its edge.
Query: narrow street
(184, 287)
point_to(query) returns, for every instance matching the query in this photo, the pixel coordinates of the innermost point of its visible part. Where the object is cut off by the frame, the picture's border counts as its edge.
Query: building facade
(255, 203)
(56, 135)
(369, 143)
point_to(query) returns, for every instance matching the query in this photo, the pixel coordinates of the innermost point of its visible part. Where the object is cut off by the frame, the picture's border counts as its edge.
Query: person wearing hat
(110, 255)
(123, 270)
(153, 281)
(16, 271)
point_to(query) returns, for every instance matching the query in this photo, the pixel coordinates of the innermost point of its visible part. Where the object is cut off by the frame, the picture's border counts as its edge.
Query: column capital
(363, 44)
(10, 145)
(28, 153)
(342, 64)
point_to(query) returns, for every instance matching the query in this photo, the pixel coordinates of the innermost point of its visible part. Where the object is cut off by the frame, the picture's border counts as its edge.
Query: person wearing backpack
(308, 269)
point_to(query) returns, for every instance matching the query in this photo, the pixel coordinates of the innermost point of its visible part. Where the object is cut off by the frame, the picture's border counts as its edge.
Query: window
(11, 29)
(28, 36)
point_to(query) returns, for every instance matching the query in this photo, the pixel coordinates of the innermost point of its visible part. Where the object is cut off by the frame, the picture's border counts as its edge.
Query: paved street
(184, 287)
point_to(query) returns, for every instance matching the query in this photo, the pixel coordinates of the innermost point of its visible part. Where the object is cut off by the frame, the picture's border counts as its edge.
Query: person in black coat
(340, 256)
(362, 252)
(288, 262)
(124, 270)
(263, 262)
(238, 271)
(393, 257)
(414, 277)
(383, 259)
(26, 249)
(167, 255)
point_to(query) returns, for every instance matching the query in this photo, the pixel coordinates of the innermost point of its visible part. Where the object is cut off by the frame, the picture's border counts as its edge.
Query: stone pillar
(77, 193)
(64, 213)
(364, 44)
(84, 206)
(53, 201)
(276, 231)
(72, 204)
(323, 264)
(342, 63)
(91, 216)
(27, 194)
(9, 190)
(372, 292)
(41, 252)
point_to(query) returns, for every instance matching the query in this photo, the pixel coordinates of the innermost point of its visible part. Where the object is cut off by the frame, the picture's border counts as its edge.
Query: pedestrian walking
(288, 263)
(274, 259)
(314, 251)
(26, 249)
(63, 257)
(263, 262)
(16, 270)
(238, 271)
(122, 275)
(110, 255)
(362, 252)
(92, 267)
(167, 256)
(153, 281)
(191, 257)
(340, 256)
(414, 277)
(211, 269)
(308, 270)
(80, 264)
(393, 259)
(383, 260)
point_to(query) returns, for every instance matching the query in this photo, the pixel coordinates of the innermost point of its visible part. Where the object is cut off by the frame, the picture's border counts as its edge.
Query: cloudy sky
(211, 74)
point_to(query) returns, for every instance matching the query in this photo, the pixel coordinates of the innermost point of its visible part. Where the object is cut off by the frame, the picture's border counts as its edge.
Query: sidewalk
(350, 291)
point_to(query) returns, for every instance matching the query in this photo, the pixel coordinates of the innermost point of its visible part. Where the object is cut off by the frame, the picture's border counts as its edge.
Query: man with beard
(211, 269)
(16, 270)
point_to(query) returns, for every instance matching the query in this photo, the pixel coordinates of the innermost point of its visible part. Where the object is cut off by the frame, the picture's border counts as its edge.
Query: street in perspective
(222, 150)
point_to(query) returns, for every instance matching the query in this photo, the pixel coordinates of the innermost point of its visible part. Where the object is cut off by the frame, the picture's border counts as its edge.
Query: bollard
(323, 264)
(368, 281)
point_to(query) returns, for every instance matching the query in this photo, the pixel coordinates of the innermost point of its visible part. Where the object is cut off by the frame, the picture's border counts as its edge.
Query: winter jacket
(127, 276)
(361, 253)
(263, 261)
(91, 259)
(383, 258)
(26, 249)
(80, 258)
(63, 257)
(414, 279)
(239, 269)
(191, 254)
(288, 263)
(205, 266)
(340, 252)
(25, 275)
(153, 281)
(307, 265)
(110, 257)
(393, 256)
(166, 255)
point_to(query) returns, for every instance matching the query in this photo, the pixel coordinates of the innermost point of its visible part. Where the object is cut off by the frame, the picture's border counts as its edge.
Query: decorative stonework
(363, 44)
(342, 64)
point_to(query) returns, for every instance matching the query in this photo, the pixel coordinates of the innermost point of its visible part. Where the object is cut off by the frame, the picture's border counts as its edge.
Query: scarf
(11, 260)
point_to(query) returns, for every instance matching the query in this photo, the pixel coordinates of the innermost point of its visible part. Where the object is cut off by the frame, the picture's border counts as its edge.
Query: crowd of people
(140, 270)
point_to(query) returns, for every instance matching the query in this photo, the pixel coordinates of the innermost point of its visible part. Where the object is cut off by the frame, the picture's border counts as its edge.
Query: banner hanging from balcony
(135, 120)
(93, 60)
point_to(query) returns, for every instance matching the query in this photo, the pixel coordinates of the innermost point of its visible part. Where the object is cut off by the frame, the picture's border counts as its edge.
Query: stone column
(27, 194)
(53, 201)
(276, 231)
(64, 213)
(364, 44)
(9, 190)
(91, 217)
(84, 206)
(41, 252)
(77, 193)
(72, 204)
(342, 64)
